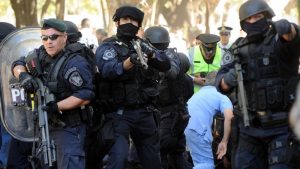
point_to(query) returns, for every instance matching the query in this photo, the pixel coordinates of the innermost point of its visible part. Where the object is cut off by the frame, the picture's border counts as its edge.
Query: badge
(76, 79)
(227, 58)
(109, 54)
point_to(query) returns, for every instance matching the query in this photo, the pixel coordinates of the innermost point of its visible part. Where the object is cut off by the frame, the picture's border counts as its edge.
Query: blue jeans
(200, 149)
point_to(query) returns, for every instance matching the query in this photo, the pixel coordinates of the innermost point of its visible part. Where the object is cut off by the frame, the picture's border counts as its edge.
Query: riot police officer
(175, 88)
(68, 76)
(5, 29)
(128, 87)
(268, 58)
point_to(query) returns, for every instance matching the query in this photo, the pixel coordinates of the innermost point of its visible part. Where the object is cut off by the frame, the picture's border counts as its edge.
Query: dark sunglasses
(51, 37)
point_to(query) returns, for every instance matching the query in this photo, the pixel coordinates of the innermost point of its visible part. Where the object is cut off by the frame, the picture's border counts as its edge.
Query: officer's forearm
(18, 69)
(127, 64)
(71, 102)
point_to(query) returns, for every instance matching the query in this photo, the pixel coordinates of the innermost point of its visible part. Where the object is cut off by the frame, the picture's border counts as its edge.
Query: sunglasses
(51, 37)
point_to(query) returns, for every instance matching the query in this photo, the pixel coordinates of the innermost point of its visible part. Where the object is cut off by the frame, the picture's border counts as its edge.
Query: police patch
(76, 79)
(227, 58)
(109, 54)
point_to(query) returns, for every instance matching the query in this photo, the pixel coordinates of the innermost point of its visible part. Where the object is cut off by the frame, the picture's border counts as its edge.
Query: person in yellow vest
(205, 57)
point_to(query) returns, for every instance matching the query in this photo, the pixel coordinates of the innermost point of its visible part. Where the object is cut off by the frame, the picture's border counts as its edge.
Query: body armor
(270, 92)
(134, 89)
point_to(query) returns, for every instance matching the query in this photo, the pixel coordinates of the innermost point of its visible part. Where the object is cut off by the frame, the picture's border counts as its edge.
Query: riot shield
(16, 114)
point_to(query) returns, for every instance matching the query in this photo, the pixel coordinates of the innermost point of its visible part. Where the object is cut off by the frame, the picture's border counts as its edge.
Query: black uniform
(176, 88)
(129, 94)
(270, 75)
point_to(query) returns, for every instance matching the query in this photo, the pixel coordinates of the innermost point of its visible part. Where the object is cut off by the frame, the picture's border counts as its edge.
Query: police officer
(224, 44)
(5, 29)
(71, 84)
(129, 89)
(204, 58)
(268, 56)
(175, 88)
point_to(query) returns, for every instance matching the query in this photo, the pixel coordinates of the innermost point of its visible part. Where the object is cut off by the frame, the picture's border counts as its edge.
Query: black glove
(51, 108)
(230, 78)
(147, 48)
(27, 82)
(282, 26)
(134, 58)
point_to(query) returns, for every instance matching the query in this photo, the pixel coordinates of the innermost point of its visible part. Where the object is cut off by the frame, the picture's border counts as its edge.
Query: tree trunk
(25, 12)
(207, 30)
(60, 9)
(44, 8)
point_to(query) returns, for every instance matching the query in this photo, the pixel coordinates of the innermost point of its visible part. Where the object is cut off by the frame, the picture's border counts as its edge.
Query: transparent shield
(16, 113)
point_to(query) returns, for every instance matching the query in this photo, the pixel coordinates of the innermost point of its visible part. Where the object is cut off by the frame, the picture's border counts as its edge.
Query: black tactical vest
(267, 86)
(136, 88)
(174, 91)
(50, 70)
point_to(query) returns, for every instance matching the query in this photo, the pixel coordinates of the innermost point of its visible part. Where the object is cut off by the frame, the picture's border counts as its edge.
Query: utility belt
(70, 118)
(268, 119)
(174, 118)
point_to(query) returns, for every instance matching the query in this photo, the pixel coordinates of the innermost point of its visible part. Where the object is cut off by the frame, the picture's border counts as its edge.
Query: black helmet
(252, 7)
(157, 34)
(184, 62)
(73, 33)
(5, 29)
(129, 11)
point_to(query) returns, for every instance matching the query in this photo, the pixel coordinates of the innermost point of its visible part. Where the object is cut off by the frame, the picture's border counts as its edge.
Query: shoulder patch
(109, 54)
(76, 79)
(227, 58)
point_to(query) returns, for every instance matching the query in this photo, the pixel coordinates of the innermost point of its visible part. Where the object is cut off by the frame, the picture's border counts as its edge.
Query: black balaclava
(127, 31)
(257, 28)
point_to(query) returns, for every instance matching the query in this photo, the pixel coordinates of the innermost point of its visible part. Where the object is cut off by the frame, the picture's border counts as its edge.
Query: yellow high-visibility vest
(199, 66)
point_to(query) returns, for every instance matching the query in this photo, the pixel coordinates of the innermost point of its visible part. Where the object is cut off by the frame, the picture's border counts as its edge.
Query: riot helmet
(73, 33)
(158, 36)
(184, 62)
(5, 29)
(129, 11)
(252, 7)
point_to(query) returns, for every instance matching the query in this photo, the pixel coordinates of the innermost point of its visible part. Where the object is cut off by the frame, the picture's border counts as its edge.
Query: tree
(25, 12)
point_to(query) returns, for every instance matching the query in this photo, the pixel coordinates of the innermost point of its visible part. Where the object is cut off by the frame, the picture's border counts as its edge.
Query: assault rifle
(137, 47)
(43, 96)
(242, 97)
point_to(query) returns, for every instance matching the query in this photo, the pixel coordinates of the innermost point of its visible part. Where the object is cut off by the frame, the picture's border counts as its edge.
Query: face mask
(127, 31)
(256, 28)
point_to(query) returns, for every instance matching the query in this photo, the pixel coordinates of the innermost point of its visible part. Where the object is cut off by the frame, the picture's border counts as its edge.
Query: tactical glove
(134, 58)
(51, 108)
(147, 48)
(27, 82)
(230, 78)
(282, 27)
